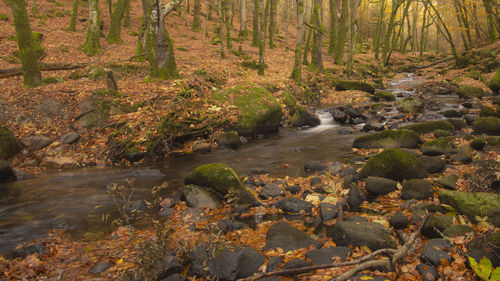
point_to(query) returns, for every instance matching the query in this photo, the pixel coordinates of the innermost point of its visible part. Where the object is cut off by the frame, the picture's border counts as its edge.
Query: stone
(167, 266)
(284, 236)
(24, 250)
(223, 180)
(345, 85)
(293, 189)
(230, 225)
(399, 220)
(394, 164)
(473, 204)
(296, 263)
(388, 139)
(383, 96)
(486, 125)
(274, 263)
(486, 246)
(348, 180)
(469, 92)
(416, 189)
(409, 105)
(449, 182)
(327, 255)
(69, 138)
(463, 155)
(229, 139)
(201, 147)
(199, 197)
(458, 123)
(435, 225)
(356, 218)
(428, 272)
(37, 142)
(100, 267)
(60, 162)
(380, 186)
(270, 190)
(430, 126)
(303, 117)
(174, 277)
(355, 197)
(327, 211)
(9, 146)
(235, 263)
(315, 166)
(432, 164)
(442, 133)
(6, 172)
(373, 235)
(438, 147)
(436, 250)
(457, 230)
(193, 215)
(294, 205)
(362, 277)
(494, 83)
(50, 108)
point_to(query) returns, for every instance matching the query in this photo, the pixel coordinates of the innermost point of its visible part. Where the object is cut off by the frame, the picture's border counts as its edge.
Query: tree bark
(196, 25)
(316, 58)
(92, 45)
(30, 68)
(493, 25)
(126, 17)
(264, 11)
(296, 72)
(115, 27)
(379, 30)
(334, 18)
(255, 28)
(339, 50)
(74, 15)
(243, 19)
(220, 13)
(272, 21)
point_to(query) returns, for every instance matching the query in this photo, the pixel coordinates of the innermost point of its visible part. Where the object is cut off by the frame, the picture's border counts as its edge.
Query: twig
(314, 27)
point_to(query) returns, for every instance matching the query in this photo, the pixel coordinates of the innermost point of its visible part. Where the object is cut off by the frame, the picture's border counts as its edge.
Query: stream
(68, 199)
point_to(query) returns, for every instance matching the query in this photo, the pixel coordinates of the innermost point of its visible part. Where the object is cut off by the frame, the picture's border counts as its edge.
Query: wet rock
(315, 166)
(229, 139)
(399, 221)
(459, 124)
(457, 230)
(167, 266)
(473, 204)
(344, 85)
(428, 272)
(201, 147)
(373, 235)
(304, 117)
(435, 225)
(101, 267)
(166, 212)
(270, 190)
(486, 246)
(284, 236)
(442, 133)
(356, 218)
(436, 250)
(388, 139)
(296, 263)
(293, 189)
(469, 92)
(133, 156)
(416, 189)
(410, 105)
(175, 277)
(394, 164)
(452, 113)
(494, 83)
(470, 118)
(327, 255)
(258, 171)
(274, 263)
(223, 180)
(294, 205)
(235, 263)
(339, 116)
(60, 162)
(438, 147)
(430, 126)
(69, 138)
(429, 207)
(486, 125)
(449, 182)
(432, 165)
(355, 197)
(383, 96)
(9, 146)
(199, 197)
(6, 172)
(327, 211)
(24, 251)
(380, 186)
(478, 144)
(36, 142)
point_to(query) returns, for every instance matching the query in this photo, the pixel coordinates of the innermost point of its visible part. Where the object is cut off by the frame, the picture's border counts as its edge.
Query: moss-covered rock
(442, 133)
(430, 126)
(439, 146)
(470, 92)
(223, 181)
(304, 117)
(9, 145)
(383, 96)
(494, 83)
(486, 125)
(290, 102)
(410, 105)
(394, 164)
(492, 144)
(495, 100)
(436, 224)
(260, 112)
(229, 139)
(388, 139)
(487, 111)
(199, 197)
(473, 204)
(478, 144)
(6, 172)
(345, 85)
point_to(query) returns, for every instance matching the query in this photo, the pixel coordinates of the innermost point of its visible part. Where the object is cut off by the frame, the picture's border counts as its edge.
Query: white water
(326, 120)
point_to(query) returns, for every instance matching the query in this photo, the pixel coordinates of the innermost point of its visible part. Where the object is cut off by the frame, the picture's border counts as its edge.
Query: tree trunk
(316, 58)
(255, 28)
(339, 50)
(116, 23)
(423, 31)
(31, 70)
(262, 38)
(379, 30)
(196, 25)
(210, 9)
(126, 17)
(91, 45)
(493, 25)
(387, 42)
(109, 3)
(352, 33)
(334, 18)
(220, 13)
(74, 15)
(446, 33)
(296, 72)
(273, 21)
(307, 47)
(287, 12)
(243, 19)
(34, 8)
(227, 16)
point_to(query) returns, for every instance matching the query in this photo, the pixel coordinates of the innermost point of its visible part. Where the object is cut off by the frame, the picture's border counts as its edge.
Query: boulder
(473, 204)
(327, 211)
(449, 182)
(430, 126)
(61, 162)
(304, 117)
(327, 255)
(380, 186)
(399, 220)
(345, 85)
(50, 108)
(416, 189)
(270, 190)
(229, 139)
(436, 250)
(486, 246)
(494, 83)
(388, 139)
(235, 263)
(355, 197)
(284, 236)
(394, 164)
(6, 172)
(370, 234)
(260, 112)
(469, 92)
(101, 267)
(9, 146)
(410, 105)
(223, 181)
(167, 266)
(486, 125)
(439, 146)
(432, 164)
(37, 142)
(296, 263)
(201, 147)
(199, 197)
(463, 155)
(428, 272)
(435, 225)
(69, 138)
(383, 96)
(294, 205)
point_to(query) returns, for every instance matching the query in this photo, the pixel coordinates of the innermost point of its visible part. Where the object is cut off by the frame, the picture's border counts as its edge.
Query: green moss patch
(430, 126)
(383, 96)
(494, 83)
(9, 145)
(345, 85)
(388, 139)
(394, 164)
(486, 125)
(470, 92)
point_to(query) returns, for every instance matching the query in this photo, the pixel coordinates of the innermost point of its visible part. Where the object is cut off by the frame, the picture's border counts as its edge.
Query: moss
(478, 144)
(394, 164)
(116, 22)
(344, 85)
(442, 133)
(486, 125)
(4, 17)
(290, 102)
(50, 80)
(496, 100)
(96, 73)
(383, 95)
(439, 146)
(487, 111)
(473, 204)
(388, 139)
(260, 112)
(410, 105)
(494, 83)
(470, 92)
(9, 145)
(92, 45)
(221, 179)
(430, 126)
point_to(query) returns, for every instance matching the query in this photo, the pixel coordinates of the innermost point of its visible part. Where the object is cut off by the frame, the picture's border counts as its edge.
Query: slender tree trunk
(31, 69)
(255, 27)
(423, 31)
(353, 31)
(227, 16)
(339, 50)
(334, 18)
(262, 40)
(196, 25)
(74, 15)
(34, 8)
(461, 24)
(273, 22)
(296, 72)
(307, 47)
(220, 13)
(109, 3)
(91, 45)
(210, 8)
(446, 33)
(316, 58)
(379, 29)
(116, 23)
(126, 17)
(287, 12)
(493, 25)
(243, 19)
(391, 24)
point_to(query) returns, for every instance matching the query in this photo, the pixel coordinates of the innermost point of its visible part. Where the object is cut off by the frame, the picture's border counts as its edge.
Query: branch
(16, 71)
(169, 7)
(315, 28)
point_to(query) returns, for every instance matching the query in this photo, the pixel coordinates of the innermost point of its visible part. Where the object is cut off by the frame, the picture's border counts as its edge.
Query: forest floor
(24, 111)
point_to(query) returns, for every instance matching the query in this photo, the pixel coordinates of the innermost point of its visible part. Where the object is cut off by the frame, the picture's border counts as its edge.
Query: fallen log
(17, 71)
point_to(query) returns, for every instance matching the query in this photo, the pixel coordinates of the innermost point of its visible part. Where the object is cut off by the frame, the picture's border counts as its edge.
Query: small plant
(58, 4)
(50, 80)
(63, 48)
(484, 269)
(4, 17)
(182, 49)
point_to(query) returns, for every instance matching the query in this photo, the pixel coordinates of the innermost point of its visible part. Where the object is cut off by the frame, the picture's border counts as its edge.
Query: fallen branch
(434, 63)
(16, 71)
